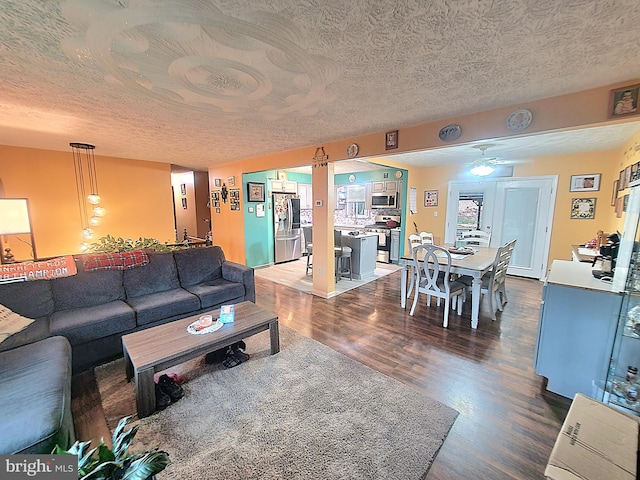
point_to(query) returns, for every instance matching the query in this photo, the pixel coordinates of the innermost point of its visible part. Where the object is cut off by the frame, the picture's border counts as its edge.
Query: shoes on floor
(170, 387)
(162, 399)
(222, 354)
(235, 358)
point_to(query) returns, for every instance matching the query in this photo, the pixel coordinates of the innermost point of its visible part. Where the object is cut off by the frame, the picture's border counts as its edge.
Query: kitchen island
(364, 248)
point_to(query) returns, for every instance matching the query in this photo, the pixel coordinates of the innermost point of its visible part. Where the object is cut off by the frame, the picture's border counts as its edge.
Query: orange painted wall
(588, 108)
(136, 195)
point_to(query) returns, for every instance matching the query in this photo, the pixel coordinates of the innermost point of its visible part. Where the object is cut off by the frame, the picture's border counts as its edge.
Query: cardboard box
(596, 442)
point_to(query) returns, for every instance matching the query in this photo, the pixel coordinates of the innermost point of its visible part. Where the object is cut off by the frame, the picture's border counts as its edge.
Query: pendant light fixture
(91, 212)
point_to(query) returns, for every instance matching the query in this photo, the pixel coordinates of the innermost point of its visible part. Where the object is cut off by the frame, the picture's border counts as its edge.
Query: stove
(384, 235)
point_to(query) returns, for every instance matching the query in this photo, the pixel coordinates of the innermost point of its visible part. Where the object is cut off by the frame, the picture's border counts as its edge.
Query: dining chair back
(308, 247)
(433, 279)
(414, 240)
(426, 238)
(493, 282)
(477, 237)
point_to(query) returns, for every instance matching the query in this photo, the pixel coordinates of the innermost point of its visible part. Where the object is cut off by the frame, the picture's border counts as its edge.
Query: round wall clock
(352, 150)
(352, 178)
(398, 174)
(519, 120)
(450, 133)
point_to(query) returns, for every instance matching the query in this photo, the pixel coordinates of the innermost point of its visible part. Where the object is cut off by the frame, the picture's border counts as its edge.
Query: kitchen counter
(576, 328)
(363, 256)
(577, 275)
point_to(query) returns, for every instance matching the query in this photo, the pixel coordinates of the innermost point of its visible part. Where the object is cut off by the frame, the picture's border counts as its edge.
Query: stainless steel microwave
(383, 200)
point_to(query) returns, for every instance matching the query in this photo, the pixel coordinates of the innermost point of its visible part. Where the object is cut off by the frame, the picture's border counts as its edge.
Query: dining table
(475, 265)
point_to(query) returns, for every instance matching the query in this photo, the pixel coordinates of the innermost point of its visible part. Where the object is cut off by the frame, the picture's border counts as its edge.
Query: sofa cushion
(33, 299)
(216, 292)
(81, 325)
(159, 275)
(198, 265)
(35, 394)
(87, 289)
(156, 306)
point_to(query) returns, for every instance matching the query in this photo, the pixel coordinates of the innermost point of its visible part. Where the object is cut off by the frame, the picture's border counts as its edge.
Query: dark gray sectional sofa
(91, 311)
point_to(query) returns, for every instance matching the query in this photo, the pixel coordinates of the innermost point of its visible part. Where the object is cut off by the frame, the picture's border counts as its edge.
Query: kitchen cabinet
(387, 186)
(306, 196)
(341, 197)
(363, 255)
(284, 186)
(576, 329)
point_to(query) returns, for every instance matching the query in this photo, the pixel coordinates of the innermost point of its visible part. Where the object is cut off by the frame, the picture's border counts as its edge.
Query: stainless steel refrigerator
(286, 220)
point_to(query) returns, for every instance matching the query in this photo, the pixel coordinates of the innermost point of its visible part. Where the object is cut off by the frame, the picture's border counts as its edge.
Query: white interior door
(524, 211)
(487, 189)
(513, 208)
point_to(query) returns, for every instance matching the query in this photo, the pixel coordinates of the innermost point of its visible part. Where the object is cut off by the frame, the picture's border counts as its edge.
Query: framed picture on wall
(218, 182)
(391, 140)
(624, 101)
(583, 208)
(585, 183)
(614, 194)
(255, 192)
(621, 185)
(431, 198)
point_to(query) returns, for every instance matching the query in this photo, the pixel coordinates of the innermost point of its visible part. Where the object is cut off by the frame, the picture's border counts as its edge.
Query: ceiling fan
(486, 165)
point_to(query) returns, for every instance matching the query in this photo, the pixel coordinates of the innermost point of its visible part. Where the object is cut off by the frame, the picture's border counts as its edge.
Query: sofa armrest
(236, 272)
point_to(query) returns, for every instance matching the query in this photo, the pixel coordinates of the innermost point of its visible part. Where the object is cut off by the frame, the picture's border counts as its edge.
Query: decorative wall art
(625, 202)
(234, 198)
(585, 183)
(215, 198)
(624, 101)
(583, 208)
(619, 205)
(431, 198)
(519, 120)
(231, 181)
(621, 178)
(627, 176)
(217, 182)
(614, 194)
(255, 192)
(391, 140)
(450, 133)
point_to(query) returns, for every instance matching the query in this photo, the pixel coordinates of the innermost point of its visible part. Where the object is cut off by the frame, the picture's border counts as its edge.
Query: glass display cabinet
(622, 385)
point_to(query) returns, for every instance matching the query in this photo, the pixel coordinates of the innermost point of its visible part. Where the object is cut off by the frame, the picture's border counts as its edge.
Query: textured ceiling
(200, 83)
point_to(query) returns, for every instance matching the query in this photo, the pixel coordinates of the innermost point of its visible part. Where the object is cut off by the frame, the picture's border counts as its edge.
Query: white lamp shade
(14, 216)
(482, 170)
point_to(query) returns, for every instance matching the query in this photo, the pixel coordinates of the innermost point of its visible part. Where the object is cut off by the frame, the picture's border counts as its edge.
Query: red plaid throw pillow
(115, 261)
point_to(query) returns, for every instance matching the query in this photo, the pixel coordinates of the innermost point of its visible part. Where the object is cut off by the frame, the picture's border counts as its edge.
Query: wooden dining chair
(493, 282)
(476, 237)
(432, 279)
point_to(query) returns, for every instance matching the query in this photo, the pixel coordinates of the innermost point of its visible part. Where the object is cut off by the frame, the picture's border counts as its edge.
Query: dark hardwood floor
(507, 424)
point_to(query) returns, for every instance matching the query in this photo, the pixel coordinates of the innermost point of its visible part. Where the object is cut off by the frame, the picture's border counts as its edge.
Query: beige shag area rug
(307, 412)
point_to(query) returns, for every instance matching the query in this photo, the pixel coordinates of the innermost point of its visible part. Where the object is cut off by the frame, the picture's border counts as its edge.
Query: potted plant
(117, 463)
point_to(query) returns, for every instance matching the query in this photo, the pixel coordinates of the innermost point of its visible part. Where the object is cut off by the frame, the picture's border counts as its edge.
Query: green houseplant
(111, 244)
(103, 463)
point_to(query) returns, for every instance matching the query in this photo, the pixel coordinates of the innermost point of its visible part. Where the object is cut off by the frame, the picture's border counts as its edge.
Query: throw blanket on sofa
(115, 261)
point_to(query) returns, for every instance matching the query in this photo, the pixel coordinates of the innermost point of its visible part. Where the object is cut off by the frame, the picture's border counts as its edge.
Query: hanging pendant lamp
(91, 212)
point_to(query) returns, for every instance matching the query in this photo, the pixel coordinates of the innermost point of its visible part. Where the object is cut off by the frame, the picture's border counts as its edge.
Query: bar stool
(342, 255)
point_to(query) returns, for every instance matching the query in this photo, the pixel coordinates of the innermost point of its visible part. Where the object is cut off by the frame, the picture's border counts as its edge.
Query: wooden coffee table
(158, 348)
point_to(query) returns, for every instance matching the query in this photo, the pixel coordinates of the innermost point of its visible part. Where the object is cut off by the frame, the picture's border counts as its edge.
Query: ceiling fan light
(482, 170)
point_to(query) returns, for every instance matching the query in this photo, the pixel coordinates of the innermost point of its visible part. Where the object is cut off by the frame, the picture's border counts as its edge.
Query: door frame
(490, 203)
